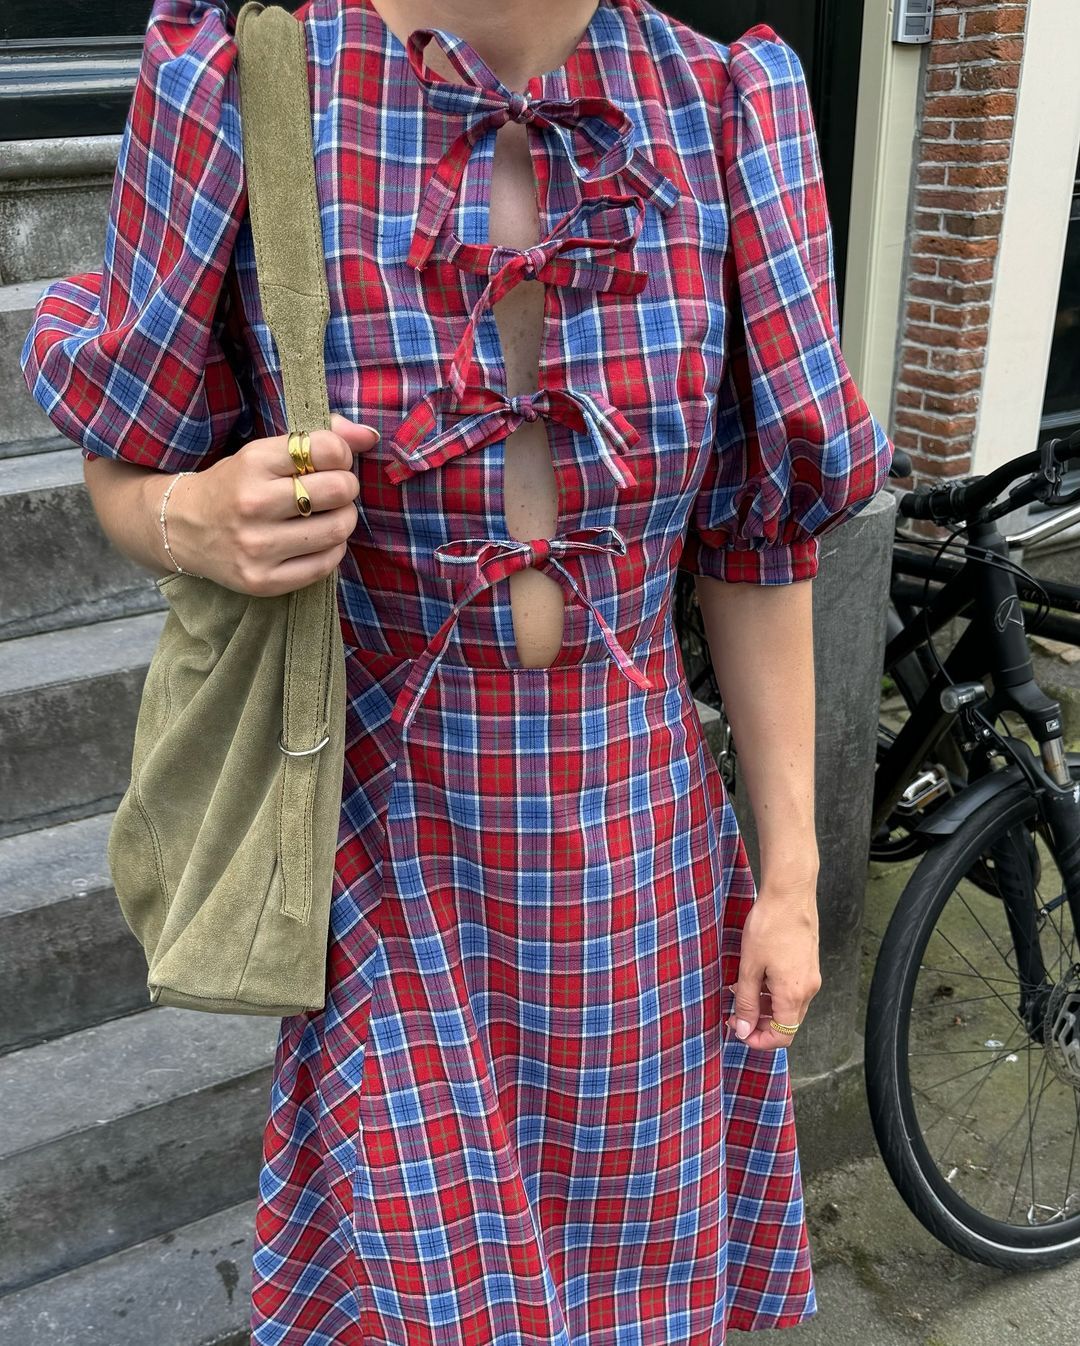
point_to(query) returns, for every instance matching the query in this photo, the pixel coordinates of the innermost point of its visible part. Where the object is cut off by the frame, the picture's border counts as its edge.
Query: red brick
(961, 316)
(994, 48)
(966, 338)
(966, 268)
(945, 26)
(948, 292)
(963, 200)
(942, 426)
(957, 361)
(928, 381)
(937, 130)
(931, 175)
(931, 469)
(977, 105)
(917, 357)
(965, 152)
(985, 130)
(973, 226)
(978, 175)
(950, 402)
(941, 245)
(995, 19)
(942, 81)
(981, 77)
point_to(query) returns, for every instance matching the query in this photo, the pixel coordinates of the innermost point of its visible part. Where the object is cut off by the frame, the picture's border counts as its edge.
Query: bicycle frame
(995, 643)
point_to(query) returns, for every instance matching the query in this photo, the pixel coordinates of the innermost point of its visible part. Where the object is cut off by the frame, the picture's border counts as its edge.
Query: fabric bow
(588, 127)
(494, 559)
(488, 416)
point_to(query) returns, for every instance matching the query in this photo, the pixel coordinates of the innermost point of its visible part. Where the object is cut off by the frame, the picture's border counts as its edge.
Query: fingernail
(373, 431)
(742, 1028)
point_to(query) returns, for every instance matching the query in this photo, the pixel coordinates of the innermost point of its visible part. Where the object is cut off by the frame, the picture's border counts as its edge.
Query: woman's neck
(516, 38)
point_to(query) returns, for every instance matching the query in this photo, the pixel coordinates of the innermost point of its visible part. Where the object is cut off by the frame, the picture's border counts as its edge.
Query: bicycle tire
(937, 1206)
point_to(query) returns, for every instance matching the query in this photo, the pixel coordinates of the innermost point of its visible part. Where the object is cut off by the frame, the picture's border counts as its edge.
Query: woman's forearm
(127, 502)
(761, 642)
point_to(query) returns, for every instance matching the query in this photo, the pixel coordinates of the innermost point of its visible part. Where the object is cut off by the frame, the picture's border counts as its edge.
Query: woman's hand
(236, 522)
(778, 963)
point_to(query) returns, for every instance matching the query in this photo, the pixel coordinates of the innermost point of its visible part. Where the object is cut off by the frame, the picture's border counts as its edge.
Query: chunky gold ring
(303, 500)
(783, 1028)
(300, 451)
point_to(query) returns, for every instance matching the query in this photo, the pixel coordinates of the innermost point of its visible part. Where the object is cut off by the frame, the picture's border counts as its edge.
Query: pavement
(882, 1280)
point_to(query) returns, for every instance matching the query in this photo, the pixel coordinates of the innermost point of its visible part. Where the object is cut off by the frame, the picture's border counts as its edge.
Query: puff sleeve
(130, 361)
(795, 449)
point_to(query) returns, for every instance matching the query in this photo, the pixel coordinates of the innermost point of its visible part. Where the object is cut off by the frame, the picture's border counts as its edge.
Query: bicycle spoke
(1029, 1146)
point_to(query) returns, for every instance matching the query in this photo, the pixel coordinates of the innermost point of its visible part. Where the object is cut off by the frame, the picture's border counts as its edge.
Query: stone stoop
(129, 1153)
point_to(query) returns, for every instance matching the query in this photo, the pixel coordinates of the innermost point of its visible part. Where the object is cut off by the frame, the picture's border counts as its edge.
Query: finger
(330, 451)
(328, 490)
(299, 571)
(320, 531)
(361, 438)
(785, 1010)
(747, 1010)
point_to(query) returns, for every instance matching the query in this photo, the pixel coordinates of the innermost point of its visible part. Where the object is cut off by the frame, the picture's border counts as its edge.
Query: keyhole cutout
(530, 491)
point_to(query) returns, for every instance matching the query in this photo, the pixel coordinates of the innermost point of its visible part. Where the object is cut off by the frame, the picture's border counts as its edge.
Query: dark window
(67, 67)
(1061, 408)
(827, 34)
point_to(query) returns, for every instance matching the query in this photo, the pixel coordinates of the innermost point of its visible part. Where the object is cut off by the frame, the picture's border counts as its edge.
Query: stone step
(69, 700)
(20, 416)
(21, 448)
(201, 1272)
(125, 1131)
(67, 957)
(54, 193)
(57, 567)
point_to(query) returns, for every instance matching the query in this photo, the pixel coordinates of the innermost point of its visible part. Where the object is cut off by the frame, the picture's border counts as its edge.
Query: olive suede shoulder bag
(222, 849)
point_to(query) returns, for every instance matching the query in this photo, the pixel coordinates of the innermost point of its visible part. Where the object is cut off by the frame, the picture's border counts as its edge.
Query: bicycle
(973, 1013)
(930, 765)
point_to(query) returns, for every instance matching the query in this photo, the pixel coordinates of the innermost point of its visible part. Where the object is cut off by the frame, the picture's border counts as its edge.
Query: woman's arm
(761, 642)
(127, 501)
(236, 521)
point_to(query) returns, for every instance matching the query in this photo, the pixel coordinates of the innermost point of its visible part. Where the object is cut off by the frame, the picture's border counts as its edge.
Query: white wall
(1041, 173)
(889, 83)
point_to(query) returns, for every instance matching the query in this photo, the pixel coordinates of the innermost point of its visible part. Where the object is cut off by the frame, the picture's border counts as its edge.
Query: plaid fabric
(520, 1118)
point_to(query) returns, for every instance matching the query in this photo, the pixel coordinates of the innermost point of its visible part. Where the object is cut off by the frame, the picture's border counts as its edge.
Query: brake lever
(1051, 471)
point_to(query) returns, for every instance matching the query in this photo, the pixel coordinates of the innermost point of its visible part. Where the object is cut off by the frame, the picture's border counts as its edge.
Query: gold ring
(303, 500)
(300, 451)
(783, 1028)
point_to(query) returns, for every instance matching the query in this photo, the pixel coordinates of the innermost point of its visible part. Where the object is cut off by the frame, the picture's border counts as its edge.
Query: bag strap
(279, 166)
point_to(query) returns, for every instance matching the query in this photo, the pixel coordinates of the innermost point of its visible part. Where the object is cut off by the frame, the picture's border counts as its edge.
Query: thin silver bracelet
(161, 520)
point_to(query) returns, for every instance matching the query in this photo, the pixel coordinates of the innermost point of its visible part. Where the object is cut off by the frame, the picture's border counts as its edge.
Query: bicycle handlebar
(963, 500)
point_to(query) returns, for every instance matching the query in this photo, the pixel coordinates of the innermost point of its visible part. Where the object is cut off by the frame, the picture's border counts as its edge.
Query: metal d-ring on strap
(302, 752)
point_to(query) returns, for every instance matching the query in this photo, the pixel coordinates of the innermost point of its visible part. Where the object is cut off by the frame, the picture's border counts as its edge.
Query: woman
(581, 285)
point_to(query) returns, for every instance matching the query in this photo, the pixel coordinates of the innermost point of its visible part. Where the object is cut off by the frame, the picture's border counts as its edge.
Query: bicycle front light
(961, 694)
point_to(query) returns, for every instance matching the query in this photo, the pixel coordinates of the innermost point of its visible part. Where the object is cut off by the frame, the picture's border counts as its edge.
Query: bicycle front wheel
(972, 1063)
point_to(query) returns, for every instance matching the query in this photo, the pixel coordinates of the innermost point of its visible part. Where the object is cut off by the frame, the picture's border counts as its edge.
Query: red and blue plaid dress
(520, 1119)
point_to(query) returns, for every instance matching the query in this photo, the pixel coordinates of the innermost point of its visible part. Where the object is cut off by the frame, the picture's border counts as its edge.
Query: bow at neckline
(596, 134)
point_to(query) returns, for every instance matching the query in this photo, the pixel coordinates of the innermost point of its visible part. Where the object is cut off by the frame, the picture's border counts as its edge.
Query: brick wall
(971, 76)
